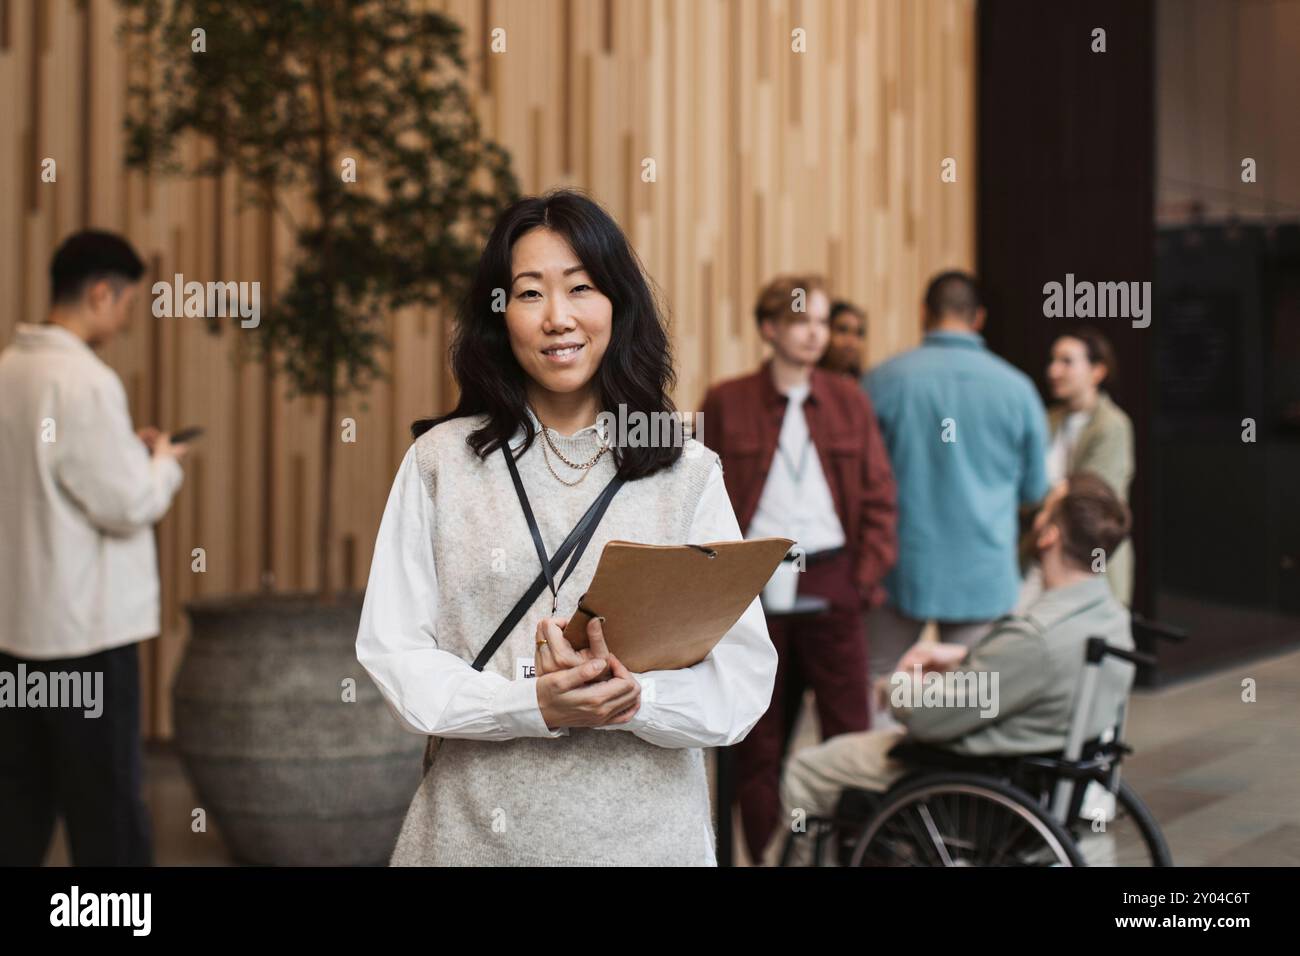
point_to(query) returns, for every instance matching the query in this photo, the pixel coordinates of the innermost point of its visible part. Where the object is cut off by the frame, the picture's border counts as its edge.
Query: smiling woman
(558, 323)
(583, 329)
(549, 755)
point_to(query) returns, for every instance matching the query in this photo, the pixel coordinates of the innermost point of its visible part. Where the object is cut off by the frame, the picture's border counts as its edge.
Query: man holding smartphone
(80, 492)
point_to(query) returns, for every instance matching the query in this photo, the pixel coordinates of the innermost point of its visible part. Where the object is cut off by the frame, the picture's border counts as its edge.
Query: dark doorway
(1067, 139)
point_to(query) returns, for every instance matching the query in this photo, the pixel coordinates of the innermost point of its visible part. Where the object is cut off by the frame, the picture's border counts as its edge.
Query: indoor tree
(360, 108)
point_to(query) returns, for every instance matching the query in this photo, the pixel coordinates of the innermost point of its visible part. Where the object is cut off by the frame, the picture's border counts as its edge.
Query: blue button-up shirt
(967, 438)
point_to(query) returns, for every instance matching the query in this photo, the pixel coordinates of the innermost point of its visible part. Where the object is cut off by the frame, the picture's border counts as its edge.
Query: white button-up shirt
(79, 495)
(712, 704)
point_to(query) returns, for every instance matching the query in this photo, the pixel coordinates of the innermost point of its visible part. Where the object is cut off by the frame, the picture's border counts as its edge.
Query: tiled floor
(1221, 775)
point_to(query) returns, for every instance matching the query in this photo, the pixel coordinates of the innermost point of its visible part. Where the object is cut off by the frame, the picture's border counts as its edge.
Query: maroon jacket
(742, 422)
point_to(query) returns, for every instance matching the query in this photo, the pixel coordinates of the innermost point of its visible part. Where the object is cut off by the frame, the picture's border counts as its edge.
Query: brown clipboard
(666, 606)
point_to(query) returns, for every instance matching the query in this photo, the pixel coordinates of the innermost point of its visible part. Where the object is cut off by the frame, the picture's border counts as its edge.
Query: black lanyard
(573, 545)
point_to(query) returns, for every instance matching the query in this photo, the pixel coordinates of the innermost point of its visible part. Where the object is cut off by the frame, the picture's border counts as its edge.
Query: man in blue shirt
(967, 438)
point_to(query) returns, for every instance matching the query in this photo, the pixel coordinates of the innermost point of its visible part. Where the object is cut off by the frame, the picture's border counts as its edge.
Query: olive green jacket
(1105, 447)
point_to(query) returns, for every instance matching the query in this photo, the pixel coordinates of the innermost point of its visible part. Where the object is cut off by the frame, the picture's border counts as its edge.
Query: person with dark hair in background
(1089, 432)
(540, 760)
(846, 352)
(803, 459)
(1036, 659)
(967, 436)
(80, 492)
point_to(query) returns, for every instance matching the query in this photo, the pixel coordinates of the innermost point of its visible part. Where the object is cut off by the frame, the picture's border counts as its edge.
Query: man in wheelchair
(1010, 694)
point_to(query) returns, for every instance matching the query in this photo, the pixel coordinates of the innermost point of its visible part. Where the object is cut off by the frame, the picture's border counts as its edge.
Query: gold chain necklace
(547, 458)
(584, 467)
(546, 434)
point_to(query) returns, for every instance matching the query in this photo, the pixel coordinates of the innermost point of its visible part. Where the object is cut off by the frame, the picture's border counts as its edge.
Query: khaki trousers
(815, 776)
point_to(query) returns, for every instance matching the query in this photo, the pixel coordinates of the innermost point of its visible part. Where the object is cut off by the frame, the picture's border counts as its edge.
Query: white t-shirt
(796, 501)
(1063, 442)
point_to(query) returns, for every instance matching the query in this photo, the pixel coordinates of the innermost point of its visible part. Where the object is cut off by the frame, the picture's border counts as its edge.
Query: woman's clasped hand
(581, 688)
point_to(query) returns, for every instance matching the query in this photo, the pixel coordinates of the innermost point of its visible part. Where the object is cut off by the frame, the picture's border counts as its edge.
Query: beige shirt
(79, 495)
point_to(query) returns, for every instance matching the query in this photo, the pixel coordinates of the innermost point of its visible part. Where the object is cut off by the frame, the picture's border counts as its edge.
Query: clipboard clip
(709, 551)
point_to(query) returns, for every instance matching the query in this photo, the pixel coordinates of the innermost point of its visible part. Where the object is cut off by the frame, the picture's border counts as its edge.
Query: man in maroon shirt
(802, 458)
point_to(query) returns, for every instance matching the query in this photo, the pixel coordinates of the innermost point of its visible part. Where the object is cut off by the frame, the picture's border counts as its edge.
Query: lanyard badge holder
(572, 547)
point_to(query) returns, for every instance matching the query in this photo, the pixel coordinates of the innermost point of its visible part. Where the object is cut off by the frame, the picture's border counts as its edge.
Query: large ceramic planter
(290, 772)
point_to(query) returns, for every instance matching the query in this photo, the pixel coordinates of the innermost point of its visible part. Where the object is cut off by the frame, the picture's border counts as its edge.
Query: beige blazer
(1105, 447)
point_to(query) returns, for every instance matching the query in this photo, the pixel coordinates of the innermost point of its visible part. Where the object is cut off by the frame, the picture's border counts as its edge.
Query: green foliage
(283, 93)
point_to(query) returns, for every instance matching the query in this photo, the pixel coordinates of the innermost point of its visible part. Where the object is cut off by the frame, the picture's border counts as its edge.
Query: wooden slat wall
(768, 161)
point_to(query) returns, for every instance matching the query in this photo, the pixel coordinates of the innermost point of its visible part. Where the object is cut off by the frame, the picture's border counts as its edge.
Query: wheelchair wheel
(1132, 838)
(954, 819)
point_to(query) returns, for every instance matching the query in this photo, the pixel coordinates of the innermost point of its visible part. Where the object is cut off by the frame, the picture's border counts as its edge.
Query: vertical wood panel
(767, 161)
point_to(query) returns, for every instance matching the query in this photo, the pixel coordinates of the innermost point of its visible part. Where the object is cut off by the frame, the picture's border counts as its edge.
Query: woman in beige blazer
(1089, 432)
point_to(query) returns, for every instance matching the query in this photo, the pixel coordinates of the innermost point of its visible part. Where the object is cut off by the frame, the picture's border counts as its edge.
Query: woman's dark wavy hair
(637, 369)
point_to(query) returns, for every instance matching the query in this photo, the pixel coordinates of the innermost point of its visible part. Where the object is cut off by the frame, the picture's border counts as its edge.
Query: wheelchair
(1065, 808)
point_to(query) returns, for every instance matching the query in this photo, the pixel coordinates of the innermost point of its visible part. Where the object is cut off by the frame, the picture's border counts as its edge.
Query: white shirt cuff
(643, 714)
(514, 704)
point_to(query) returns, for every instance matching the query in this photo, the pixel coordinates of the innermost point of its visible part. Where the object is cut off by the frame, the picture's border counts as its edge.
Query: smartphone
(185, 434)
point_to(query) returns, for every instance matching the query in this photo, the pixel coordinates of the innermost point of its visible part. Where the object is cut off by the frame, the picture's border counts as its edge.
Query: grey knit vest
(593, 797)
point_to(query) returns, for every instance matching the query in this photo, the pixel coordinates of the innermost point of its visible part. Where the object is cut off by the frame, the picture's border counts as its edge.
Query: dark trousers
(56, 761)
(828, 653)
